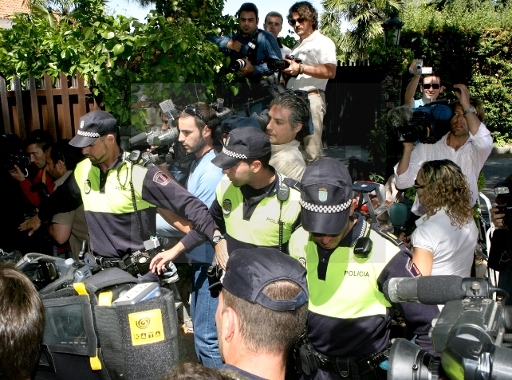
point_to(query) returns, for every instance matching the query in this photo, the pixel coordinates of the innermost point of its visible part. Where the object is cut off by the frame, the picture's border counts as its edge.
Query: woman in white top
(445, 238)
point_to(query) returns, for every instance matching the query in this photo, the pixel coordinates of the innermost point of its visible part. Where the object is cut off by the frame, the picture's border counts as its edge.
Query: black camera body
(43, 270)
(428, 124)
(281, 64)
(470, 336)
(503, 191)
(20, 160)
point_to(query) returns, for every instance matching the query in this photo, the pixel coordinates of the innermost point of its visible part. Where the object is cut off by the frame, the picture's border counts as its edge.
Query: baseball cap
(242, 144)
(93, 125)
(326, 196)
(250, 270)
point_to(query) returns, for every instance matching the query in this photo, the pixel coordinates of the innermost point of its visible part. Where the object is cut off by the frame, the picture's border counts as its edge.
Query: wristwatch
(469, 110)
(217, 238)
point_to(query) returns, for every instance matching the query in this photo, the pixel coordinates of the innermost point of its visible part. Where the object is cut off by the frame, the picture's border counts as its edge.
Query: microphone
(137, 139)
(400, 116)
(435, 290)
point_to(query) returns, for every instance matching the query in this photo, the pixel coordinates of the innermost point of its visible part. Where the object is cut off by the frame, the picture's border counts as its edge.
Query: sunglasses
(293, 21)
(193, 112)
(417, 185)
(435, 86)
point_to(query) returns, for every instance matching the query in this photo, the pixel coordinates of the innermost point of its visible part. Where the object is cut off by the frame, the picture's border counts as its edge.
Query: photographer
(500, 256)
(430, 87)
(468, 144)
(250, 49)
(40, 186)
(317, 56)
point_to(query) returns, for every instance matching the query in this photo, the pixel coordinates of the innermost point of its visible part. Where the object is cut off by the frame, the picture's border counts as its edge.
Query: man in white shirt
(318, 64)
(289, 115)
(468, 144)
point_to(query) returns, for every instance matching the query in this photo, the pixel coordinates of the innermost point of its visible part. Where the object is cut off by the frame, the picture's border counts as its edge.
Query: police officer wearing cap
(120, 193)
(262, 311)
(347, 262)
(255, 205)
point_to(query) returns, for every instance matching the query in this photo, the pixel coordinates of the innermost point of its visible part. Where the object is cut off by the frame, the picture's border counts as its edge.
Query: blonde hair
(444, 185)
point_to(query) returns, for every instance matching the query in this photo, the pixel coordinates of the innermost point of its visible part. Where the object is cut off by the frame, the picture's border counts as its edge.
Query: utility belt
(364, 368)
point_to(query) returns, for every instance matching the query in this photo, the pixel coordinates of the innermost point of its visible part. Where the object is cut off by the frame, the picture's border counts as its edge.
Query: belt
(313, 92)
(347, 367)
(108, 262)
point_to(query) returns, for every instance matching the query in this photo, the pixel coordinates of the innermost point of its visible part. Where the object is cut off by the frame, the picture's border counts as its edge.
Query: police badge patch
(226, 207)
(87, 186)
(322, 194)
(302, 260)
(161, 178)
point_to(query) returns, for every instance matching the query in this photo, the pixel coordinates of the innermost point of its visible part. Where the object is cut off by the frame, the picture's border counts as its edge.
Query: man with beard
(197, 137)
(252, 48)
(120, 194)
(468, 144)
(254, 205)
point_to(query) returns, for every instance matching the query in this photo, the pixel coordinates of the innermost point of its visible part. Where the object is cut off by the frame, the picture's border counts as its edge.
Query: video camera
(281, 64)
(504, 197)
(426, 124)
(44, 270)
(469, 333)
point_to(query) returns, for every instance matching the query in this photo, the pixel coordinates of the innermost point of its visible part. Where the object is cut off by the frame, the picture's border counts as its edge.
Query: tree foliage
(115, 54)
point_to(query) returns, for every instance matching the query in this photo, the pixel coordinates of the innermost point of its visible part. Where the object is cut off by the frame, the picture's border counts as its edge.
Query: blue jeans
(202, 309)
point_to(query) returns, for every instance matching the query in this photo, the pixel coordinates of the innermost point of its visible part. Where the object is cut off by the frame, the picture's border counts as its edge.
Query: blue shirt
(267, 47)
(202, 181)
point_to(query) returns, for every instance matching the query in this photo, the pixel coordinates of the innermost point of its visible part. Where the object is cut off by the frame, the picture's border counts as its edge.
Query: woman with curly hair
(445, 238)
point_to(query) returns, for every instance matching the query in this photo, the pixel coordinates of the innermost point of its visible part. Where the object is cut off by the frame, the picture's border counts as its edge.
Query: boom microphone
(435, 290)
(400, 116)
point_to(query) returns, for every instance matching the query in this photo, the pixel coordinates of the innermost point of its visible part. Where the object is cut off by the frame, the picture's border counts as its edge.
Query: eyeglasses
(293, 21)
(192, 111)
(435, 86)
(417, 185)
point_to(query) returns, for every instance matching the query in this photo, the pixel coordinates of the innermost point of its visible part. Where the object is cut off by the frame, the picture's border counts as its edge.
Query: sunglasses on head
(435, 86)
(193, 112)
(293, 21)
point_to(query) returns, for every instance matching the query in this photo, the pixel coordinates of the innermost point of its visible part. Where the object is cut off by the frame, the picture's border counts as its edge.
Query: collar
(357, 231)
(62, 179)
(311, 36)
(281, 147)
(268, 191)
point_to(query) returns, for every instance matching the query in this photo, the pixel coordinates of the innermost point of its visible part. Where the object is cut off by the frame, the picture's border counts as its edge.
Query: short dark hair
(70, 155)
(305, 9)
(40, 137)
(273, 14)
(264, 329)
(298, 106)
(207, 113)
(21, 324)
(248, 7)
(196, 371)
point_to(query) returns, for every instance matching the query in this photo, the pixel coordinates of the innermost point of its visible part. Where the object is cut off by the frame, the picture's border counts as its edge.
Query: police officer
(254, 205)
(120, 193)
(347, 262)
(250, 49)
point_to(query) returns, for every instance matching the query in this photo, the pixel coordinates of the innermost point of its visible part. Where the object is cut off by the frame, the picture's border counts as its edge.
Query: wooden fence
(52, 104)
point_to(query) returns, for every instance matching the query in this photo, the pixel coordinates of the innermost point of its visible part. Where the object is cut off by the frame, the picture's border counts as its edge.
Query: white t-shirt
(315, 50)
(453, 247)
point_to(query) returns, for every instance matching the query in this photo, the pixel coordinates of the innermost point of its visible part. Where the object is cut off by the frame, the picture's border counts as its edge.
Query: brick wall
(9, 7)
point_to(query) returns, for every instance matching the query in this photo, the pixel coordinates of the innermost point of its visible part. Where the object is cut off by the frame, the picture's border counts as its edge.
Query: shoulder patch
(161, 178)
(388, 236)
(412, 269)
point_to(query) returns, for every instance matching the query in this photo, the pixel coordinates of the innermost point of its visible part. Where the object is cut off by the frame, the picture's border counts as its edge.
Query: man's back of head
(21, 324)
(262, 309)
